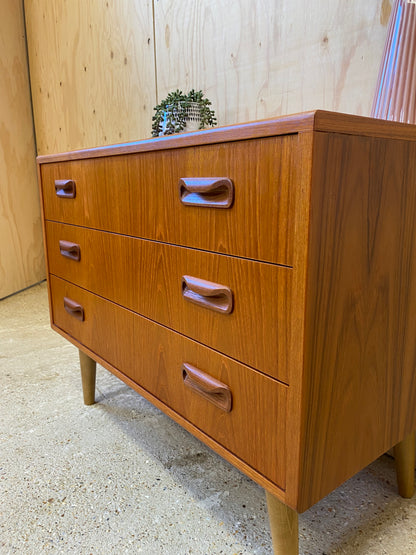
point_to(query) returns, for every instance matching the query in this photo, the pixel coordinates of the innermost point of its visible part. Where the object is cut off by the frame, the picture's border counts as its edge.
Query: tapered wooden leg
(404, 454)
(284, 527)
(88, 369)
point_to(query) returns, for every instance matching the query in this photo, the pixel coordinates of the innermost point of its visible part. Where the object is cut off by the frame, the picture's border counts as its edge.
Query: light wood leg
(88, 369)
(284, 527)
(404, 454)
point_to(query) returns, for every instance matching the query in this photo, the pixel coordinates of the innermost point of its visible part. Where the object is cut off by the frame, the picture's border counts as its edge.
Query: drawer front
(139, 195)
(154, 357)
(244, 311)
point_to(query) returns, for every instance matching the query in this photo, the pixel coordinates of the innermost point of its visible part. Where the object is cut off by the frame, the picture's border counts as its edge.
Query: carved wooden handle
(65, 188)
(207, 192)
(74, 309)
(207, 294)
(208, 387)
(70, 250)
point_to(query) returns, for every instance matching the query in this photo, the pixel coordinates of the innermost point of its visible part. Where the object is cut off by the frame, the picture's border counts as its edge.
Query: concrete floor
(120, 477)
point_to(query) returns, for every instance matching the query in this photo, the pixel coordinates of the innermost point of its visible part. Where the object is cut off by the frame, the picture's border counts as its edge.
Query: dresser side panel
(360, 352)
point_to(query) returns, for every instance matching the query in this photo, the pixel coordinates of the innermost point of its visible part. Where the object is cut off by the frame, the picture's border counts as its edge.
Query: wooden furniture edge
(319, 120)
(251, 130)
(45, 249)
(350, 124)
(295, 428)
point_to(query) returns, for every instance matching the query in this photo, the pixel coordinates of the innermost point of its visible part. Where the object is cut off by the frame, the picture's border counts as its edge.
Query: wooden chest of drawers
(255, 282)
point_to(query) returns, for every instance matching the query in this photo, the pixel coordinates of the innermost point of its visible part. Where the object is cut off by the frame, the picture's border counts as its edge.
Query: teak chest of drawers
(257, 283)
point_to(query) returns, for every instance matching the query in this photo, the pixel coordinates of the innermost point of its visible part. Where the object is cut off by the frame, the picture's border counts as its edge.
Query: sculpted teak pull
(70, 250)
(74, 309)
(207, 294)
(208, 387)
(65, 188)
(207, 192)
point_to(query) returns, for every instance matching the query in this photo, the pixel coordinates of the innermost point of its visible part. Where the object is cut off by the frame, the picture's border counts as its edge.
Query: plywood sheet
(21, 248)
(99, 67)
(271, 57)
(92, 71)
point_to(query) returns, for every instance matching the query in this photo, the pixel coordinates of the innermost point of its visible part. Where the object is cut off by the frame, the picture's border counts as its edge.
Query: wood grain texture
(146, 276)
(21, 254)
(350, 335)
(257, 60)
(284, 527)
(92, 71)
(361, 299)
(364, 126)
(296, 393)
(95, 79)
(284, 125)
(152, 356)
(259, 224)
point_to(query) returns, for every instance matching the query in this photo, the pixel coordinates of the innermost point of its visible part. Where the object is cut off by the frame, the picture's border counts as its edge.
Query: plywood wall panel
(98, 67)
(271, 57)
(21, 248)
(92, 71)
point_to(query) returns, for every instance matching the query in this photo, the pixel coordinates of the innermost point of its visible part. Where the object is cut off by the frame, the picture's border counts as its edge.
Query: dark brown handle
(207, 294)
(208, 192)
(70, 250)
(208, 387)
(74, 309)
(65, 188)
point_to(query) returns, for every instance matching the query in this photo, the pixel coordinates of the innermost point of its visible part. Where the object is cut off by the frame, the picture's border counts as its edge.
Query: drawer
(168, 284)
(154, 357)
(138, 195)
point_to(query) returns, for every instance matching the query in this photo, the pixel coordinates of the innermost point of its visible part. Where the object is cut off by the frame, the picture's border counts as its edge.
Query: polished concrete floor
(120, 477)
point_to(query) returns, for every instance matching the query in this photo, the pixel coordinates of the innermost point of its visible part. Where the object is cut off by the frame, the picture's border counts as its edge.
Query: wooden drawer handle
(74, 309)
(207, 192)
(65, 188)
(70, 250)
(207, 294)
(208, 387)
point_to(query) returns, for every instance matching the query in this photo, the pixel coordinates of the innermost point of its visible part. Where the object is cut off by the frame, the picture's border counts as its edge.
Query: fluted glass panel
(395, 96)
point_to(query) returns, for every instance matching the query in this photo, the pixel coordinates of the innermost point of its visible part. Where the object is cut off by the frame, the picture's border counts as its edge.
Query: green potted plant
(182, 112)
